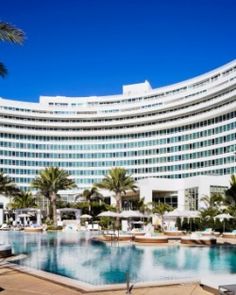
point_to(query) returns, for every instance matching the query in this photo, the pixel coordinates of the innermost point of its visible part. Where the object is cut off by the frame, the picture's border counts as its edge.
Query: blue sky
(93, 47)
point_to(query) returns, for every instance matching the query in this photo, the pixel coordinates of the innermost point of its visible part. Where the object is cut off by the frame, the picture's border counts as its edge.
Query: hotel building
(178, 141)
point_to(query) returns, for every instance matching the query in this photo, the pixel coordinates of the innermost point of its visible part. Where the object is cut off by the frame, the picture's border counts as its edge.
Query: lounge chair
(116, 236)
(210, 232)
(33, 228)
(151, 239)
(5, 251)
(174, 233)
(197, 239)
(229, 235)
(5, 227)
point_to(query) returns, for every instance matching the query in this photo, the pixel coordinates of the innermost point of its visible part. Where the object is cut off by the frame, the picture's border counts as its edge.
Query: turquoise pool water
(73, 255)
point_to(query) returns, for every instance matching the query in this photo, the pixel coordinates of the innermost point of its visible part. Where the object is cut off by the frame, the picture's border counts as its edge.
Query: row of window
(108, 163)
(133, 163)
(188, 127)
(156, 113)
(135, 125)
(128, 145)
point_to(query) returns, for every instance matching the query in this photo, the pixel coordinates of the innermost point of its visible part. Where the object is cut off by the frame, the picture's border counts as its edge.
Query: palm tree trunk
(54, 208)
(118, 209)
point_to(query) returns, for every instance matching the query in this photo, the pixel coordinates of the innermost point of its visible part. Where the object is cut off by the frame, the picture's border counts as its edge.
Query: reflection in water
(74, 255)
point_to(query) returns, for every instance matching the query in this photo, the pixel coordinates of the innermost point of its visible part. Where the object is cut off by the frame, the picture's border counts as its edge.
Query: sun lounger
(227, 289)
(5, 227)
(174, 233)
(195, 240)
(5, 251)
(33, 229)
(151, 239)
(229, 235)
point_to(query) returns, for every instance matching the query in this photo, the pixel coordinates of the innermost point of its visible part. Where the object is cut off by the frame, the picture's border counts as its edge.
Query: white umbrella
(86, 216)
(137, 222)
(223, 217)
(182, 213)
(108, 214)
(131, 214)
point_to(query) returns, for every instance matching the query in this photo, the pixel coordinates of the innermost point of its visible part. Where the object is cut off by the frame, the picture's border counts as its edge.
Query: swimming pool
(73, 255)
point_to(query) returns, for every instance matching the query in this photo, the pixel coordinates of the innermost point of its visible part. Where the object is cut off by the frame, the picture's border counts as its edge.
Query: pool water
(75, 256)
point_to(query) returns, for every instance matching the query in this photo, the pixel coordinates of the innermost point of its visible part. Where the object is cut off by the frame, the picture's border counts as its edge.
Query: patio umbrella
(137, 222)
(86, 216)
(183, 214)
(108, 214)
(223, 217)
(131, 214)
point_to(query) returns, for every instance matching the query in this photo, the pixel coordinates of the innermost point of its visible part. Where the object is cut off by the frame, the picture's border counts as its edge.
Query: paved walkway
(17, 283)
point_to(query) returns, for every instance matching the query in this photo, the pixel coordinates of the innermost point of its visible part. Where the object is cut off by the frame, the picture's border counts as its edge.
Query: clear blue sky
(93, 47)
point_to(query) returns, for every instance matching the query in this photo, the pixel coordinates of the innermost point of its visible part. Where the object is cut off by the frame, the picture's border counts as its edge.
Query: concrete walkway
(15, 282)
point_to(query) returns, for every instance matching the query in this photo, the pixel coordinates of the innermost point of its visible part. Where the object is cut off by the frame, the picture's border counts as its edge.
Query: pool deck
(15, 282)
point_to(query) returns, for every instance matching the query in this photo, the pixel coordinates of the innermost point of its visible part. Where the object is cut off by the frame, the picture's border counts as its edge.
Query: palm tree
(231, 192)
(49, 182)
(214, 205)
(91, 195)
(215, 200)
(11, 34)
(7, 186)
(119, 182)
(161, 208)
(23, 200)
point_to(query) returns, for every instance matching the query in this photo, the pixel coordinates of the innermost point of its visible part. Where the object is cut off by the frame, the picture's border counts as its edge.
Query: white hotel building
(178, 141)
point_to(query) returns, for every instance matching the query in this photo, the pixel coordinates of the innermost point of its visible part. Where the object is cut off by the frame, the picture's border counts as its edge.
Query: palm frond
(3, 70)
(11, 33)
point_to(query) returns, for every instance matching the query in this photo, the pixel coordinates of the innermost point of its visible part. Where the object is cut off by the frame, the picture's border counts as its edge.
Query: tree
(11, 34)
(214, 205)
(215, 200)
(141, 206)
(118, 181)
(231, 192)
(23, 200)
(7, 186)
(49, 182)
(161, 208)
(91, 195)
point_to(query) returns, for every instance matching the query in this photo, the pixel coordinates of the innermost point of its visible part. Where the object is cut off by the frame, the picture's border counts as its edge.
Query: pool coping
(86, 287)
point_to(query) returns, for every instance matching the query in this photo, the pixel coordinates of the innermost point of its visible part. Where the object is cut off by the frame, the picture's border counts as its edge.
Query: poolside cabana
(24, 215)
(75, 212)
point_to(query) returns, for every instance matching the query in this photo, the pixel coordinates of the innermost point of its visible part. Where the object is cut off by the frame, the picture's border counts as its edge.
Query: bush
(106, 222)
(178, 223)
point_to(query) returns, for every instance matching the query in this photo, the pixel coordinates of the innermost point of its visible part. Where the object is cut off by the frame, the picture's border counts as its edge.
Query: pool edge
(86, 287)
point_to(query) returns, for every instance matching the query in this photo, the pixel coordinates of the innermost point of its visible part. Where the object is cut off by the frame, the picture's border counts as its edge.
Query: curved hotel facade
(170, 134)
